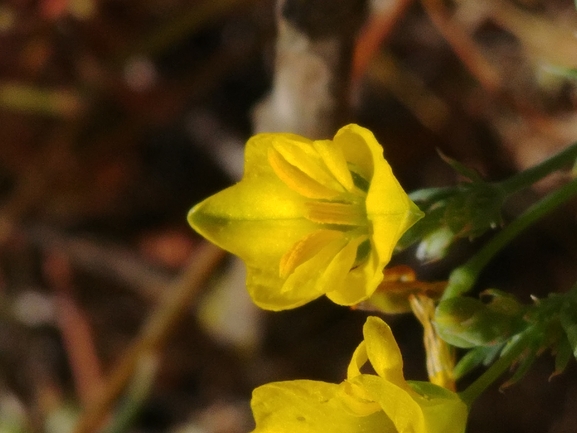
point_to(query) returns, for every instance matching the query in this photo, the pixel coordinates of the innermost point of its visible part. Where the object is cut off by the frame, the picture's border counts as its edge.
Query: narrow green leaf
(562, 356)
(524, 365)
(482, 355)
(431, 195)
(462, 169)
(568, 319)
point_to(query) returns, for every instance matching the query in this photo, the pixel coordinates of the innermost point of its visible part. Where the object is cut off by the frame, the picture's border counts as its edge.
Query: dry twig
(177, 299)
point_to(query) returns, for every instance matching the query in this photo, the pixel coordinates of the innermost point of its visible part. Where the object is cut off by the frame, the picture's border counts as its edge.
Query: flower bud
(468, 322)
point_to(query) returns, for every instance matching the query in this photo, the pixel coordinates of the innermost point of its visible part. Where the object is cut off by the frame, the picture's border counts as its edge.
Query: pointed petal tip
(197, 218)
(355, 129)
(192, 216)
(414, 214)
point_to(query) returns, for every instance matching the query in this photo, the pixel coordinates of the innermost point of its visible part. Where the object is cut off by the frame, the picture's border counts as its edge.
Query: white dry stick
(310, 94)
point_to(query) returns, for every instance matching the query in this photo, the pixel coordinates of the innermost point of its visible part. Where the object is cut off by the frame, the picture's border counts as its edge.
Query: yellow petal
(265, 289)
(357, 400)
(396, 402)
(308, 276)
(443, 410)
(387, 205)
(360, 282)
(257, 148)
(298, 180)
(389, 209)
(324, 271)
(259, 218)
(305, 406)
(240, 231)
(304, 284)
(380, 348)
(383, 351)
(359, 147)
(334, 159)
(304, 157)
(335, 273)
(305, 248)
(359, 358)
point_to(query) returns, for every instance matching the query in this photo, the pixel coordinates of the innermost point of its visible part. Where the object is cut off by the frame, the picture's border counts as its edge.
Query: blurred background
(116, 116)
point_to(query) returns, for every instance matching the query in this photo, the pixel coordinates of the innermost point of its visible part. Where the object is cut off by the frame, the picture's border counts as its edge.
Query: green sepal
(468, 322)
(432, 221)
(428, 196)
(475, 209)
(564, 353)
(524, 364)
(462, 169)
(568, 320)
(467, 210)
(502, 302)
(430, 201)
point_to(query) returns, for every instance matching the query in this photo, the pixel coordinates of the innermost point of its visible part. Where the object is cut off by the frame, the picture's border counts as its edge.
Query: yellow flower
(364, 403)
(310, 217)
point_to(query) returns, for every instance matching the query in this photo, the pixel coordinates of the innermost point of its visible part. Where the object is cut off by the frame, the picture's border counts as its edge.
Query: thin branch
(374, 34)
(311, 86)
(177, 300)
(463, 46)
(74, 327)
(105, 259)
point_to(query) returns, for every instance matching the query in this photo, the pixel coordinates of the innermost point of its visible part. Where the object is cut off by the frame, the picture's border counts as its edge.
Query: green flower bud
(468, 322)
(435, 245)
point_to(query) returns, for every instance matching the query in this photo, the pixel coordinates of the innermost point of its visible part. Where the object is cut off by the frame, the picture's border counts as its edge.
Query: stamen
(348, 214)
(307, 159)
(296, 179)
(304, 249)
(334, 159)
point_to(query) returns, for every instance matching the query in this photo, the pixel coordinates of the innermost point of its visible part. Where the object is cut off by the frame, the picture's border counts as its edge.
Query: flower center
(336, 196)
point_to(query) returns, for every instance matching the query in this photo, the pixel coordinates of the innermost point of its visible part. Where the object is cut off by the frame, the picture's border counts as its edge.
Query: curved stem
(470, 394)
(463, 278)
(528, 177)
(177, 299)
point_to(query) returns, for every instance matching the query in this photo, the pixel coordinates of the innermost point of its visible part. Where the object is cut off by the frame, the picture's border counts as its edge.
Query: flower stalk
(510, 354)
(526, 178)
(464, 277)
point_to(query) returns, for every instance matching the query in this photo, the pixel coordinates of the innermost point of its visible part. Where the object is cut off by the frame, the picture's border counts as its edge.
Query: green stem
(528, 177)
(138, 392)
(463, 278)
(510, 354)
